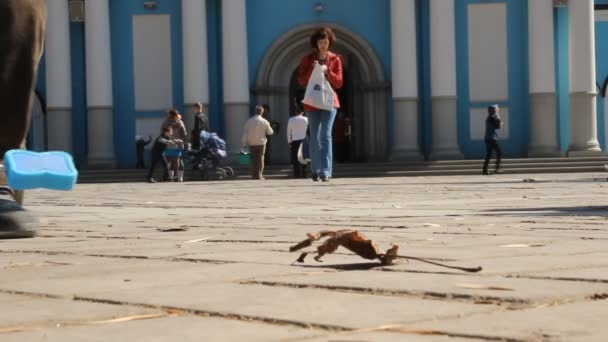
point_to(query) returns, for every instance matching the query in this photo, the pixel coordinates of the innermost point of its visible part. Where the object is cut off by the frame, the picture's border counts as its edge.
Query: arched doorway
(364, 95)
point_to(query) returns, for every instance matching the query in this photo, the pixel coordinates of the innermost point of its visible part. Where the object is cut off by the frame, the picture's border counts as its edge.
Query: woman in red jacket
(320, 121)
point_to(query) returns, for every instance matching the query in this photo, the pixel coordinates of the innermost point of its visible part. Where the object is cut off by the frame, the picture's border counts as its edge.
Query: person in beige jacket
(254, 135)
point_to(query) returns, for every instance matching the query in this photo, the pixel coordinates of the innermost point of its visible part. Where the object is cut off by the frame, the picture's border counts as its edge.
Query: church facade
(419, 74)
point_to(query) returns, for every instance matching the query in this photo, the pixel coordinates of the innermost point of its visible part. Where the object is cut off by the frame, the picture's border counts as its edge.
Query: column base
(445, 135)
(101, 163)
(543, 127)
(406, 155)
(446, 154)
(405, 130)
(544, 152)
(235, 114)
(587, 153)
(59, 129)
(101, 137)
(583, 126)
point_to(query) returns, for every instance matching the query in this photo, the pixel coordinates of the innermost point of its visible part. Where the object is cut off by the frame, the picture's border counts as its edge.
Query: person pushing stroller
(157, 152)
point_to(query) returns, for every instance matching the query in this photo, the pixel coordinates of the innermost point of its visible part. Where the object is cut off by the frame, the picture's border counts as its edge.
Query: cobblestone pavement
(209, 261)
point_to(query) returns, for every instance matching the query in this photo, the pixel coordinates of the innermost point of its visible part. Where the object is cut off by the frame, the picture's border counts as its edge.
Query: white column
(99, 83)
(235, 71)
(541, 54)
(443, 81)
(404, 80)
(58, 77)
(583, 121)
(194, 42)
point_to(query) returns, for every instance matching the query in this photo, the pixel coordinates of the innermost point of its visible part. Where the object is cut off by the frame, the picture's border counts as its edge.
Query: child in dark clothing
(160, 144)
(140, 144)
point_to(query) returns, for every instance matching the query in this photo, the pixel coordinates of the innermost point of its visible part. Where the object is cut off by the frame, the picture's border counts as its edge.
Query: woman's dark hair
(322, 33)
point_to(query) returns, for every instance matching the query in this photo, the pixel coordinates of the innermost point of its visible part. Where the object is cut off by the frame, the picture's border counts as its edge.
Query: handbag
(319, 93)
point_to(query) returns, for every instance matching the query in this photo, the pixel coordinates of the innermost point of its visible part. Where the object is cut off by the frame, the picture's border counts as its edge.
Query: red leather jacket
(334, 74)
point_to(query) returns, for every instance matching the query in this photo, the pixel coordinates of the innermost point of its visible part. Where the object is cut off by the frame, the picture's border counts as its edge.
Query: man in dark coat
(22, 30)
(201, 123)
(491, 138)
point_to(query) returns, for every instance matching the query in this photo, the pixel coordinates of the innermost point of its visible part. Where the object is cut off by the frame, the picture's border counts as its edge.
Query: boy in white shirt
(254, 135)
(297, 126)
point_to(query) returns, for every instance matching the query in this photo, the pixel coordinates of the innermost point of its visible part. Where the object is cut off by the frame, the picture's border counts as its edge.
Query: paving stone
(584, 321)
(36, 312)
(183, 329)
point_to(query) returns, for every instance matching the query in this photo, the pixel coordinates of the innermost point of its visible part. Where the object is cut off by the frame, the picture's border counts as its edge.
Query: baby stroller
(207, 159)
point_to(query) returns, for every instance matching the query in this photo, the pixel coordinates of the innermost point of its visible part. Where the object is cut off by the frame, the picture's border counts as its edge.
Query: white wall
(488, 68)
(153, 76)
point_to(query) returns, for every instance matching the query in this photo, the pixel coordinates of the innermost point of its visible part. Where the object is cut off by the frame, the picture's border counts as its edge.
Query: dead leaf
(349, 239)
(360, 245)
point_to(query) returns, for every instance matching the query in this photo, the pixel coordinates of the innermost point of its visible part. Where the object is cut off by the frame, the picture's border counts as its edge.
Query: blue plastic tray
(173, 152)
(30, 170)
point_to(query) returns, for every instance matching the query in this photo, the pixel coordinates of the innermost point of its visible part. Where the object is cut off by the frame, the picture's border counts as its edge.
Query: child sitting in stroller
(207, 159)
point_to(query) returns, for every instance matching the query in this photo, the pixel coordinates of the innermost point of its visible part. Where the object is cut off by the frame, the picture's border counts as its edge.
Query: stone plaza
(210, 261)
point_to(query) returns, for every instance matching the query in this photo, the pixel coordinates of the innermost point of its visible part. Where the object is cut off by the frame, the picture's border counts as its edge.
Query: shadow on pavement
(551, 211)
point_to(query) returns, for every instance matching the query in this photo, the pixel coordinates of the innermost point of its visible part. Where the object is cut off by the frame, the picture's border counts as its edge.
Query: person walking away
(321, 121)
(296, 133)
(276, 126)
(491, 138)
(254, 135)
(174, 150)
(157, 153)
(201, 123)
(140, 145)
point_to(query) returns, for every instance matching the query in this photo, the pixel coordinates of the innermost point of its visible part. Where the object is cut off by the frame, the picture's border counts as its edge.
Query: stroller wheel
(221, 174)
(229, 171)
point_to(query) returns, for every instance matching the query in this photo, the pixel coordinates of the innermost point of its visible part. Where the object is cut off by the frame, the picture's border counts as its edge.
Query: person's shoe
(315, 177)
(498, 171)
(325, 178)
(16, 222)
(485, 172)
(151, 180)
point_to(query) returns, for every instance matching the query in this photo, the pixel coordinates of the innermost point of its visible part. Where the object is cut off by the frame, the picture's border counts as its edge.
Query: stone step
(384, 169)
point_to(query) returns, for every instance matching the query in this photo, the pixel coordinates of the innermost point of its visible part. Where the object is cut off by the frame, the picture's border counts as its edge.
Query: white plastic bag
(304, 152)
(318, 91)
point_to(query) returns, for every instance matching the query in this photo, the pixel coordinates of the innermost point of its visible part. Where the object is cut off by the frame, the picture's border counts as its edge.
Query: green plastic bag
(244, 159)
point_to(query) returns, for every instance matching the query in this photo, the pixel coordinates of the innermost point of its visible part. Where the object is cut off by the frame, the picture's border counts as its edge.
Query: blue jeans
(320, 123)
